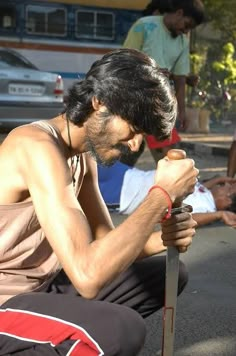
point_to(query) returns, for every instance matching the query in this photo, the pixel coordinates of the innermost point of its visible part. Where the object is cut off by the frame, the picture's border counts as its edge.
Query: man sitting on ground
(70, 282)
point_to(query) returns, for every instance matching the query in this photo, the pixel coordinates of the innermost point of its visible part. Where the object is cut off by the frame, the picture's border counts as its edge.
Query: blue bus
(66, 37)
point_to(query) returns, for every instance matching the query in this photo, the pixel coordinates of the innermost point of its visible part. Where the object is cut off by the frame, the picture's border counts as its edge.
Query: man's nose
(135, 143)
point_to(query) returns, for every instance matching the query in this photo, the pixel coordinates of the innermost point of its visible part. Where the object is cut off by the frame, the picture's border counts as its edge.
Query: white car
(26, 93)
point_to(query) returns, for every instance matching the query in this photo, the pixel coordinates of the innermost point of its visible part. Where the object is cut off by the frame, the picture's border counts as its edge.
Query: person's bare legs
(231, 167)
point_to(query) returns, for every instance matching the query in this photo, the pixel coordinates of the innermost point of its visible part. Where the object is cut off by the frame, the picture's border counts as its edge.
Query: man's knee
(130, 331)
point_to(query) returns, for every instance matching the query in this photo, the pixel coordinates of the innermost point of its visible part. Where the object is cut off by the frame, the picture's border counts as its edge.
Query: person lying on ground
(69, 279)
(124, 187)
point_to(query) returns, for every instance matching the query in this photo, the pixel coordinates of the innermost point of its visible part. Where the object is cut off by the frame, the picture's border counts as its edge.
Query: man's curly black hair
(232, 207)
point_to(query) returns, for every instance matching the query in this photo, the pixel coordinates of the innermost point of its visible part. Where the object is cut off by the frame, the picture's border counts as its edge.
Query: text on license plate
(23, 89)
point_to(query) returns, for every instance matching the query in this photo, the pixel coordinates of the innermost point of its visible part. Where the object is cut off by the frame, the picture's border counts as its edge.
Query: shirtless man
(70, 282)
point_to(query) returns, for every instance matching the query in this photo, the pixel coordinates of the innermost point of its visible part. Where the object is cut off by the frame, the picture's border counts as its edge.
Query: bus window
(105, 25)
(95, 24)
(42, 20)
(7, 17)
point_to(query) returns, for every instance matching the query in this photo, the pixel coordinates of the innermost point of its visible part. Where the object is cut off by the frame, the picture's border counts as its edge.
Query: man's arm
(209, 184)
(206, 218)
(92, 203)
(99, 219)
(153, 246)
(91, 263)
(231, 166)
(180, 71)
(227, 217)
(179, 83)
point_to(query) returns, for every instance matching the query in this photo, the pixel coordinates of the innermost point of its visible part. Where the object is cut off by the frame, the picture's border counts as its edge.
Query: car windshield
(8, 59)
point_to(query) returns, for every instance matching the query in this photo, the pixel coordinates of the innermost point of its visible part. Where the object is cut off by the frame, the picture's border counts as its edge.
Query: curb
(204, 149)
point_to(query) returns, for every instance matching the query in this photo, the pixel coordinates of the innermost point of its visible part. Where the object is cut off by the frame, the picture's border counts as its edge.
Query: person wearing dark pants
(53, 218)
(46, 323)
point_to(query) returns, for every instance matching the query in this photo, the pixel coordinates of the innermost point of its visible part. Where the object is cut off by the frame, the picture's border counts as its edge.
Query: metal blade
(172, 276)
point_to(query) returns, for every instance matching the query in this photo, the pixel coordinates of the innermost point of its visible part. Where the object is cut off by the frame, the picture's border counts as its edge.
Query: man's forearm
(179, 83)
(123, 245)
(231, 169)
(206, 218)
(153, 246)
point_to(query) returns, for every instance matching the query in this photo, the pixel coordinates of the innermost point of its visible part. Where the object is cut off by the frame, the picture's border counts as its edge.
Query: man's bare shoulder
(28, 140)
(26, 134)
(26, 152)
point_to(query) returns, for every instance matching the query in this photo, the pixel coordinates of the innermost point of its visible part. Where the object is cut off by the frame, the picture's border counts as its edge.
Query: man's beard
(92, 150)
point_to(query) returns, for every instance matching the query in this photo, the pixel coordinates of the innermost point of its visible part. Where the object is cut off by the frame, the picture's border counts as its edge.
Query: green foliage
(218, 78)
(225, 67)
(216, 63)
(221, 13)
(197, 60)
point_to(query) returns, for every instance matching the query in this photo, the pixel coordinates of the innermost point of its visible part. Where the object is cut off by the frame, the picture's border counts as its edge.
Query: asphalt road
(206, 310)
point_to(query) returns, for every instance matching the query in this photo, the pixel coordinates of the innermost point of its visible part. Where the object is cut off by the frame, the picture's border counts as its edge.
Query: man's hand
(229, 218)
(177, 177)
(192, 80)
(178, 231)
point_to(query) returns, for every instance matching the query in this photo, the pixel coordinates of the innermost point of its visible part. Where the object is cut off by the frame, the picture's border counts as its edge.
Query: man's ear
(96, 104)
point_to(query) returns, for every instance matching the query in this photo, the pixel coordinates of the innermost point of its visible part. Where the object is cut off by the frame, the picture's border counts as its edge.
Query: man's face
(181, 24)
(223, 195)
(110, 137)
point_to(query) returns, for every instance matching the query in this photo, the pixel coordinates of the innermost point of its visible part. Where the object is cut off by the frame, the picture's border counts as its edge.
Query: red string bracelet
(168, 212)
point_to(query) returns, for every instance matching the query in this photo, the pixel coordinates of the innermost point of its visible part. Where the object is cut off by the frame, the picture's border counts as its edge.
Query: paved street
(206, 311)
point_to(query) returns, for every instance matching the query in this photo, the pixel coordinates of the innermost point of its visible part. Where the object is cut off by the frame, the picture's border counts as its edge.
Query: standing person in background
(231, 167)
(160, 7)
(164, 39)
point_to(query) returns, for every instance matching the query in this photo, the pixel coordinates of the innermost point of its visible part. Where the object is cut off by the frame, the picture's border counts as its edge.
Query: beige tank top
(27, 262)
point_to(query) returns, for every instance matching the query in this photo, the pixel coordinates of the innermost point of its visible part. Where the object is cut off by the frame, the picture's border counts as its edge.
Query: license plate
(24, 89)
